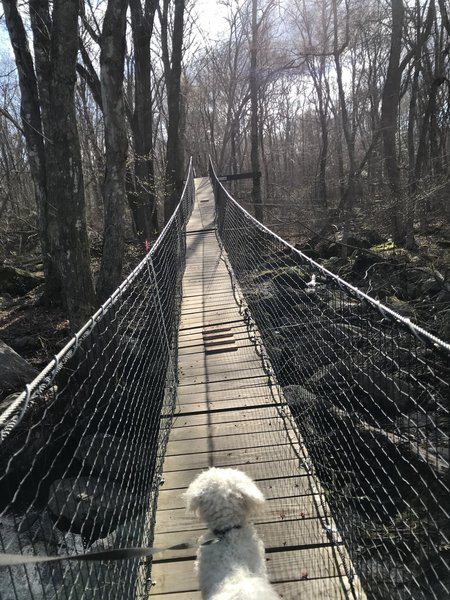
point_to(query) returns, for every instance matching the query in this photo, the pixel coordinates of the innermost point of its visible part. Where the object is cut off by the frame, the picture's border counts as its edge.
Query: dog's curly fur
(235, 567)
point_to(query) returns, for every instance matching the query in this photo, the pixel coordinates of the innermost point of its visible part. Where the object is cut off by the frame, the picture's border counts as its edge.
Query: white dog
(234, 568)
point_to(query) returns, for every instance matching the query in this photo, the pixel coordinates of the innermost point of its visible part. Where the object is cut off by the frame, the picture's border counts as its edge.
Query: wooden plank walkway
(230, 414)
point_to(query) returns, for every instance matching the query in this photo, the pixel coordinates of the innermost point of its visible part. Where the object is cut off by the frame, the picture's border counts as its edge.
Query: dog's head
(223, 497)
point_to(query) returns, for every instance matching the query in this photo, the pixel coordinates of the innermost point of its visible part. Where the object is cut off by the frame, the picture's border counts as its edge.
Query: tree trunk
(143, 195)
(172, 70)
(254, 117)
(41, 26)
(322, 193)
(349, 195)
(317, 75)
(64, 167)
(112, 58)
(389, 114)
(32, 127)
(141, 218)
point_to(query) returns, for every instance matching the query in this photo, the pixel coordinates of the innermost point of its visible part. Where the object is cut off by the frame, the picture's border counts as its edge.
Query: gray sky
(210, 16)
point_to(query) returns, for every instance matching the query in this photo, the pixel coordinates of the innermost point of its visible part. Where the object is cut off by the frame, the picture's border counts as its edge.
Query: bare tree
(64, 166)
(53, 147)
(254, 100)
(112, 58)
(172, 60)
(32, 129)
(142, 187)
(389, 114)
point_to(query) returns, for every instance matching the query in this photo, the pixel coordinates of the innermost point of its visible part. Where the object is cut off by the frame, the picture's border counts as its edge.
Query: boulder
(92, 507)
(386, 392)
(362, 262)
(90, 581)
(110, 457)
(129, 534)
(327, 249)
(412, 282)
(338, 265)
(371, 236)
(331, 379)
(15, 371)
(34, 533)
(17, 282)
(358, 242)
(294, 369)
(39, 527)
(307, 250)
(102, 579)
(431, 286)
(299, 396)
(401, 307)
(26, 343)
(99, 580)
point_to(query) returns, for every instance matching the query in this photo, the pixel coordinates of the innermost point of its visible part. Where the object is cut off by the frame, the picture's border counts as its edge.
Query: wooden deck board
(198, 363)
(232, 428)
(198, 366)
(259, 471)
(222, 378)
(314, 564)
(188, 352)
(226, 399)
(252, 387)
(283, 534)
(211, 318)
(227, 458)
(237, 329)
(234, 383)
(239, 441)
(230, 412)
(195, 336)
(272, 489)
(182, 425)
(188, 328)
(214, 403)
(308, 589)
(176, 519)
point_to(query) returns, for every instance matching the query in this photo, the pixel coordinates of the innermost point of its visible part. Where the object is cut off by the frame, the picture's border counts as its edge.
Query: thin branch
(9, 116)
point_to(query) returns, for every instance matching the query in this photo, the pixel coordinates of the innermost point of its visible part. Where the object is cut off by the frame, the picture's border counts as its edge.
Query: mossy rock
(401, 307)
(388, 246)
(15, 371)
(338, 265)
(17, 282)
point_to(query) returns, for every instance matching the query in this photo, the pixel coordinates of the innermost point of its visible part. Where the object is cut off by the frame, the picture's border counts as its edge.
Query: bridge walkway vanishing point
(231, 413)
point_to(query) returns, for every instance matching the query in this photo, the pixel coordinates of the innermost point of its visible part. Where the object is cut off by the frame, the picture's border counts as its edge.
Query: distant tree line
(339, 108)
(352, 111)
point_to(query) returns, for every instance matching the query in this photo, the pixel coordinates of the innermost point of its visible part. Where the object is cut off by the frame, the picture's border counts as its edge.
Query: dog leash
(14, 560)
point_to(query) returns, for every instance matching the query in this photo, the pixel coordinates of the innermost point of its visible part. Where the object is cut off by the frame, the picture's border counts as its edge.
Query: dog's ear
(252, 495)
(192, 497)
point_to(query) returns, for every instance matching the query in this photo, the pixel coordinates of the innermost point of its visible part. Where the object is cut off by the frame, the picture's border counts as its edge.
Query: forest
(338, 109)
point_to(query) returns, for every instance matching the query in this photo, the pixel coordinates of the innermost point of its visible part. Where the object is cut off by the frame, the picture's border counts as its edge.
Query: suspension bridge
(228, 347)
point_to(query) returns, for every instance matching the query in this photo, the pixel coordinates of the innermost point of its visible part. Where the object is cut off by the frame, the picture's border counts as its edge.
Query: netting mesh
(370, 396)
(82, 448)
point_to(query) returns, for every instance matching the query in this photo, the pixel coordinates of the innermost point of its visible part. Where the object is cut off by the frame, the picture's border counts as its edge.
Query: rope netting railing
(82, 448)
(369, 392)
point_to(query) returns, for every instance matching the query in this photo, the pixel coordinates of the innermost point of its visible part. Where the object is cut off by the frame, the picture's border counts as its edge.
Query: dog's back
(246, 587)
